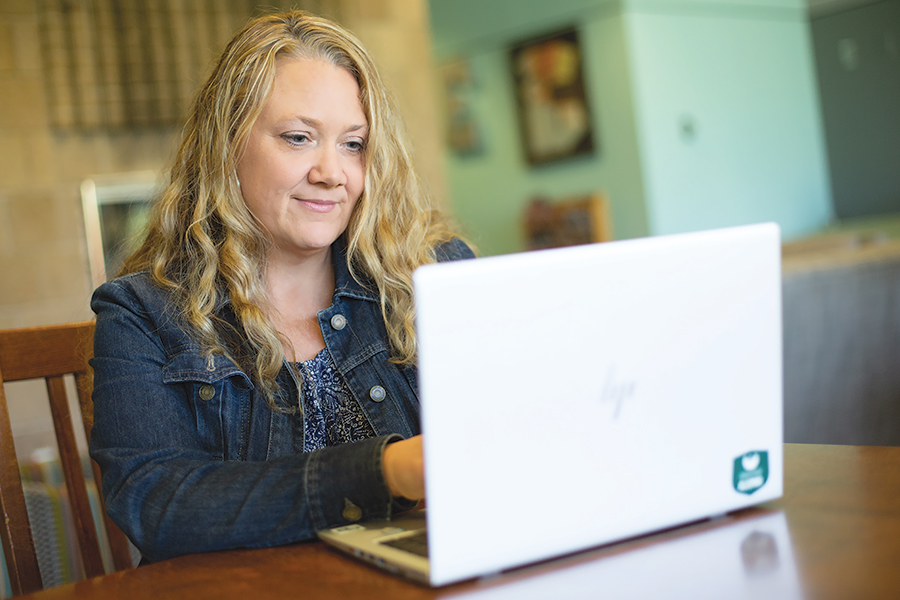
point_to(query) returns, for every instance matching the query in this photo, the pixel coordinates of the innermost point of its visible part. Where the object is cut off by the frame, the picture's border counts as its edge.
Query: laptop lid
(578, 396)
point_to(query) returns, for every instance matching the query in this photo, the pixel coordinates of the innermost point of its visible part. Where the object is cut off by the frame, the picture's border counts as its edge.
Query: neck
(298, 289)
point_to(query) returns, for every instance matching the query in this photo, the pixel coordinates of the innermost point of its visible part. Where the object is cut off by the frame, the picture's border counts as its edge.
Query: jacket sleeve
(169, 493)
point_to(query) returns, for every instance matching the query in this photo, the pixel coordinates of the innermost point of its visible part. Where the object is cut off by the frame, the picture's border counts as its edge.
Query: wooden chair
(580, 220)
(49, 353)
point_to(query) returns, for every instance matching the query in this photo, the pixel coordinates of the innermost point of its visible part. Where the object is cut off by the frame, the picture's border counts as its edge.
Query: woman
(254, 375)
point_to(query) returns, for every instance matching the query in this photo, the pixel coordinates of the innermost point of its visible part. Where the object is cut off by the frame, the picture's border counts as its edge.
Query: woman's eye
(295, 139)
(355, 146)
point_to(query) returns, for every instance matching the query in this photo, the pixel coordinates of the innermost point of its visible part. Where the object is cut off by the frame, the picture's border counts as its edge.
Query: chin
(317, 243)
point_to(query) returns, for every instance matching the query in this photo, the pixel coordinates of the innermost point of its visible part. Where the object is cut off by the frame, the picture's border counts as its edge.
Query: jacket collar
(344, 283)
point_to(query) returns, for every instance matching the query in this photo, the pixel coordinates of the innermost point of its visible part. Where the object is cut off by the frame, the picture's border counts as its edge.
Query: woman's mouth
(318, 205)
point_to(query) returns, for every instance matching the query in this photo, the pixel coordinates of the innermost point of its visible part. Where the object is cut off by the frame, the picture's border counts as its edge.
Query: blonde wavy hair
(203, 243)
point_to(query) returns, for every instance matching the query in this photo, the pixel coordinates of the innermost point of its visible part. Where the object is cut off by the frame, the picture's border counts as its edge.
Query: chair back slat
(70, 461)
(84, 384)
(49, 353)
(118, 543)
(15, 531)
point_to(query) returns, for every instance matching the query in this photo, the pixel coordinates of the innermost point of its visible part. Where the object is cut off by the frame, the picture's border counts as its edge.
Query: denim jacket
(193, 458)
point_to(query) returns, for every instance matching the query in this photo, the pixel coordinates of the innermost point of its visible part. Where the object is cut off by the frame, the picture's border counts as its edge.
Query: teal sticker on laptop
(751, 470)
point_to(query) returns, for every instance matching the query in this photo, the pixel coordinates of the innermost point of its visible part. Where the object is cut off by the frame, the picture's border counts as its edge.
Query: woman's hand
(404, 469)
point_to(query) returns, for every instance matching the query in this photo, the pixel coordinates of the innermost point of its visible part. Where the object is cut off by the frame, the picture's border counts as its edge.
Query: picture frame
(115, 209)
(571, 221)
(554, 114)
(463, 134)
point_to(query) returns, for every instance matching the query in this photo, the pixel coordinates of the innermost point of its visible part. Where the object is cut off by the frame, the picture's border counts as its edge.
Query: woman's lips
(316, 205)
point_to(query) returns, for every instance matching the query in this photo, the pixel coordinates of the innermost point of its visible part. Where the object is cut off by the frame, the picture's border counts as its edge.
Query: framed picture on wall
(463, 132)
(550, 90)
(115, 213)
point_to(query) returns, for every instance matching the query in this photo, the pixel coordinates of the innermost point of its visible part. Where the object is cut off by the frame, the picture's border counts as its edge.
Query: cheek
(255, 186)
(250, 159)
(251, 187)
(357, 177)
(262, 165)
(254, 169)
(263, 178)
(355, 187)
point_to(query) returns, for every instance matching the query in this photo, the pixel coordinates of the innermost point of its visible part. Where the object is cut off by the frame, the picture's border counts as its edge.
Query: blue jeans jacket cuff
(346, 483)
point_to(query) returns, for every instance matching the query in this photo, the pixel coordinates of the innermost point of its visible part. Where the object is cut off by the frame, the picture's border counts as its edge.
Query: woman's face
(303, 169)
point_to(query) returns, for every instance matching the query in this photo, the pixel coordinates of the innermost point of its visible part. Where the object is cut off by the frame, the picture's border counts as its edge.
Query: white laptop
(735, 559)
(579, 396)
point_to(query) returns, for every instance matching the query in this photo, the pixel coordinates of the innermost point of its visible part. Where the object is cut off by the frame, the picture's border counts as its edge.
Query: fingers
(404, 469)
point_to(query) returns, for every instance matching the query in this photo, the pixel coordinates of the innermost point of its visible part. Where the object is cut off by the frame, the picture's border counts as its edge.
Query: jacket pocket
(218, 393)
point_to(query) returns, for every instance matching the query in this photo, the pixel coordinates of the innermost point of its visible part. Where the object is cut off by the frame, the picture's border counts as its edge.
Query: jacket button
(351, 511)
(207, 392)
(338, 322)
(377, 393)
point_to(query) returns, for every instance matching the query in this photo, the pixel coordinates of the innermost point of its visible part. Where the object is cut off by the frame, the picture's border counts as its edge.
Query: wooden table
(834, 534)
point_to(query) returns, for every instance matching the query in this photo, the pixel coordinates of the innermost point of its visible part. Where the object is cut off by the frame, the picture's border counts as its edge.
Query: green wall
(647, 65)
(746, 86)
(490, 189)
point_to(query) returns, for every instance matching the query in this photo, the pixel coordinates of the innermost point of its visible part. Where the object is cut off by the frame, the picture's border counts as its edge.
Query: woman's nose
(326, 169)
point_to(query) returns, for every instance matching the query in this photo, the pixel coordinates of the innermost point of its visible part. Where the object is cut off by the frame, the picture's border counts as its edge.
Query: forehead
(308, 82)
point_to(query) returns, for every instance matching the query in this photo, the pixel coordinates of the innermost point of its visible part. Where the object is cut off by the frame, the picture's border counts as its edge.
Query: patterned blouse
(331, 415)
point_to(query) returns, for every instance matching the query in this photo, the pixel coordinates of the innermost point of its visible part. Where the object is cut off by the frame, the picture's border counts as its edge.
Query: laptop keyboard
(417, 543)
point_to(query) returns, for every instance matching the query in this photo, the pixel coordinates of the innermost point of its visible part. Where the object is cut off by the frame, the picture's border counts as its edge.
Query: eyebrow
(317, 123)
